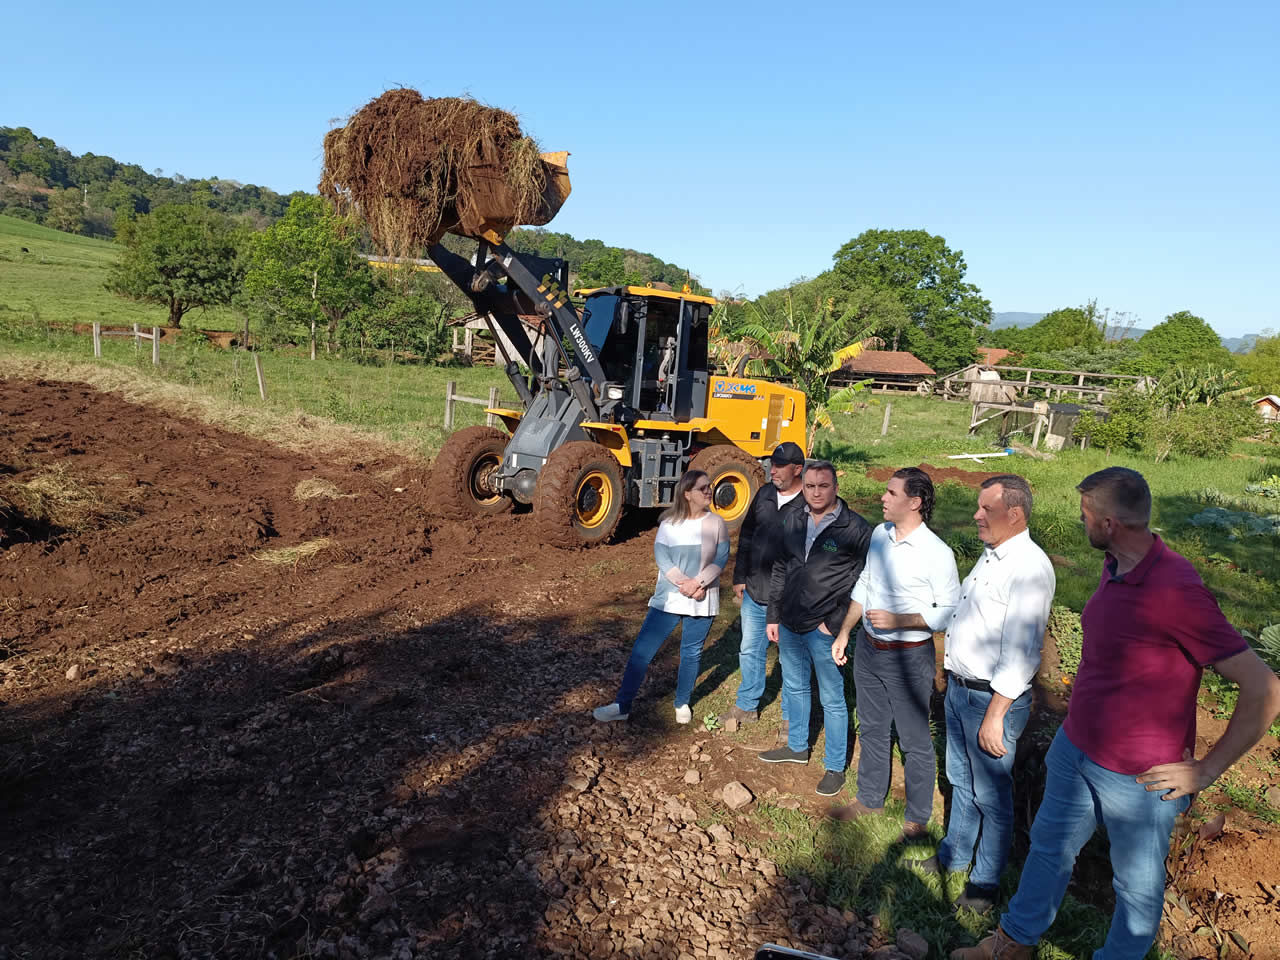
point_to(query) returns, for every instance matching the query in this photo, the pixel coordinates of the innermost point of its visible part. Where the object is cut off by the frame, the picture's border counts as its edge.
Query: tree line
(290, 263)
(93, 195)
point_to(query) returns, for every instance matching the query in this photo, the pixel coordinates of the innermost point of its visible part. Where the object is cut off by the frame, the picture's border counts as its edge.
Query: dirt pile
(415, 169)
(939, 475)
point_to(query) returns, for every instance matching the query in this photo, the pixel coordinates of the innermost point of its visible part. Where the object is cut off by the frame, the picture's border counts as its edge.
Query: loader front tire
(579, 497)
(735, 477)
(460, 483)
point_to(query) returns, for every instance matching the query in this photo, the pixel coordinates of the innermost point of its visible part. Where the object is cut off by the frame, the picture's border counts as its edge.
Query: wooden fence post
(137, 339)
(262, 381)
(491, 420)
(97, 338)
(884, 427)
(155, 346)
(450, 389)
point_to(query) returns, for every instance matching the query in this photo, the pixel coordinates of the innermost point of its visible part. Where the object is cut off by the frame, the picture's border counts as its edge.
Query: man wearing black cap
(757, 549)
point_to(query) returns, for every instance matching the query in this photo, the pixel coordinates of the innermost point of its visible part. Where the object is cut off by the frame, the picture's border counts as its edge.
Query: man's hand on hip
(1188, 777)
(739, 589)
(771, 631)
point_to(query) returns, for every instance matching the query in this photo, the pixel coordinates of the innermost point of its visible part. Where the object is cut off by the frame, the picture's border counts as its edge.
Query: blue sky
(1123, 152)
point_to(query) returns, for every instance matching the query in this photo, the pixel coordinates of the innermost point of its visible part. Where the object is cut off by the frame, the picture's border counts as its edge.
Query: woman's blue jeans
(981, 786)
(657, 626)
(1079, 795)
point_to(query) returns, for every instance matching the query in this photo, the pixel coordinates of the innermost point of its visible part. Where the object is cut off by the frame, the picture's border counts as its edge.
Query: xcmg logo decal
(728, 390)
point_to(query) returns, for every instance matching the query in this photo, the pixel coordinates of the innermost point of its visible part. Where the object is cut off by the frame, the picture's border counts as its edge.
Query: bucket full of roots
(415, 169)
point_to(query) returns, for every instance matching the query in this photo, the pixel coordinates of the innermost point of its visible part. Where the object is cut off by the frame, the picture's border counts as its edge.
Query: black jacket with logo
(805, 592)
(759, 540)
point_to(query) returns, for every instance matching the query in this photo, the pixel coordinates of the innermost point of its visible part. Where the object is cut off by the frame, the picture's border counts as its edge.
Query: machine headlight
(614, 392)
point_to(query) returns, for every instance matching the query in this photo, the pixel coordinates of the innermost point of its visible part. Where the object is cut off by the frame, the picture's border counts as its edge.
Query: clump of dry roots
(415, 169)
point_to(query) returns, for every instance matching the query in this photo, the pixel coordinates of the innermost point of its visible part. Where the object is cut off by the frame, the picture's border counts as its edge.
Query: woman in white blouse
(691, 548)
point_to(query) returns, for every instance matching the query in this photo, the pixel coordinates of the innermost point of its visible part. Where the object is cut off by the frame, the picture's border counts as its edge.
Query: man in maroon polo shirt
(1125, 755)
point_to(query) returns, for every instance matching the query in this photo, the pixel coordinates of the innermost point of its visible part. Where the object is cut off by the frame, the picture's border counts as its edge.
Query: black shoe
(832, 782)
(785, 755)
(975, 898)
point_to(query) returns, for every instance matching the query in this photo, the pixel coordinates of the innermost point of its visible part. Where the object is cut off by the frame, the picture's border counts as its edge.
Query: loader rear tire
(579, 497)
(460, 476)
(735, 477)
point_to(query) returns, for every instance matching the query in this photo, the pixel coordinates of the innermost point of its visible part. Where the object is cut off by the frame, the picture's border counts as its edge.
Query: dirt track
(383, 750)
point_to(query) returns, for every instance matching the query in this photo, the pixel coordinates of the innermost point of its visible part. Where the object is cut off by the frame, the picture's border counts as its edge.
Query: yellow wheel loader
(618, 400)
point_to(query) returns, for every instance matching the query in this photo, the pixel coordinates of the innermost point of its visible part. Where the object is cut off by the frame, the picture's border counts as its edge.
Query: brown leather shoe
(853, 811)
(912, 831)
(742, 716)
(998, 946)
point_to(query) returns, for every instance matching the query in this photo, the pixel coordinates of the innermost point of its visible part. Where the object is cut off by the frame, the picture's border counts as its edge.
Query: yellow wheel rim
(731, 495)
(481, 472)
(594, 500)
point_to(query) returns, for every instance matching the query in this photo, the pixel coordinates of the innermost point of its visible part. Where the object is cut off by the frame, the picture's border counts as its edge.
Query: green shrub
(1203, 431)
(1064, 624)
(1129, 413)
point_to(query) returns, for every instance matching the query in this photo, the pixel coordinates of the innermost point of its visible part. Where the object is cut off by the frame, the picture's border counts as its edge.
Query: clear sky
(1123, 151)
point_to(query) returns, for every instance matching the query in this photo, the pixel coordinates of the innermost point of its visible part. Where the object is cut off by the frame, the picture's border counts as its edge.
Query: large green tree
(306, 269)
(927, 276)
(66, 211)
(1182, 339)
(1261, 365)
(180, 257)
(1063, 329)
(607, 269)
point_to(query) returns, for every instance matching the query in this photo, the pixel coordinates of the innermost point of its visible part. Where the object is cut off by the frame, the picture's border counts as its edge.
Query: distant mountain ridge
(1021, 320)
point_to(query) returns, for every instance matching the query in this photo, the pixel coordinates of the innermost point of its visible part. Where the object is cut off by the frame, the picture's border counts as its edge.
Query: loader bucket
(488, 208)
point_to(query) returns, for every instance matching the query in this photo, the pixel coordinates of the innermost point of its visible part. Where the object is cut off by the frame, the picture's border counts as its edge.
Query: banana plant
(809, 345)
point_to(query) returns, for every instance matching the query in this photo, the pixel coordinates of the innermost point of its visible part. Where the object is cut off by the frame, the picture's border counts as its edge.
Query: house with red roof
(889, 369)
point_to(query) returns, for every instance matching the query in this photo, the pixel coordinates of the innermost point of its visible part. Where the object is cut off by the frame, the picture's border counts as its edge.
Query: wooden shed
(1268, 407)
(888, 369)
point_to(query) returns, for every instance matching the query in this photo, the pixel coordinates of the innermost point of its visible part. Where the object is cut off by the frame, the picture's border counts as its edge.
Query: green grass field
(60, 280)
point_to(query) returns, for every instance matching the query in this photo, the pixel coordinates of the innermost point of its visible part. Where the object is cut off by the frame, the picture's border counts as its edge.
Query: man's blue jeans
(799, 651)
(981, 786)
(753, 654)
(1078, 795)
(657, 626)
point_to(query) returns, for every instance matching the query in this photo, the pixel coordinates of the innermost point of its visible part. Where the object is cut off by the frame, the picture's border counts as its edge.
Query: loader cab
(654, 344)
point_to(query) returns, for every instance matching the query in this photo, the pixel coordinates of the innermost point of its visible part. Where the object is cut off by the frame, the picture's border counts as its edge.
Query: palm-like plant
(1183, 387)
(808, 343)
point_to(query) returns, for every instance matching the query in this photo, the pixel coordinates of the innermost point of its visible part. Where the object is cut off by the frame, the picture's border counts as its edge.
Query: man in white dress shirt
(907, 590)
(992, 653)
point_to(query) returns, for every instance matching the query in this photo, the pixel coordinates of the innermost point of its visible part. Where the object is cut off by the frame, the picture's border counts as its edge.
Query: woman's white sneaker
(609, 712)
(684, 714)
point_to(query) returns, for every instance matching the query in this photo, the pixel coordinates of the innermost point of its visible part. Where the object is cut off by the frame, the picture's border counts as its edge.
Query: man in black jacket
(752, 572)
(824, 547)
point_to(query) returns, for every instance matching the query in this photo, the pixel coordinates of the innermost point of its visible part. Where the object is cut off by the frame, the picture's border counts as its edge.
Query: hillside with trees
(92, 195)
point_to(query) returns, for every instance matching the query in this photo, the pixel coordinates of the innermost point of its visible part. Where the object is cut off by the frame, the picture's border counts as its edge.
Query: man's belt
(881, 645)
(983, 685)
